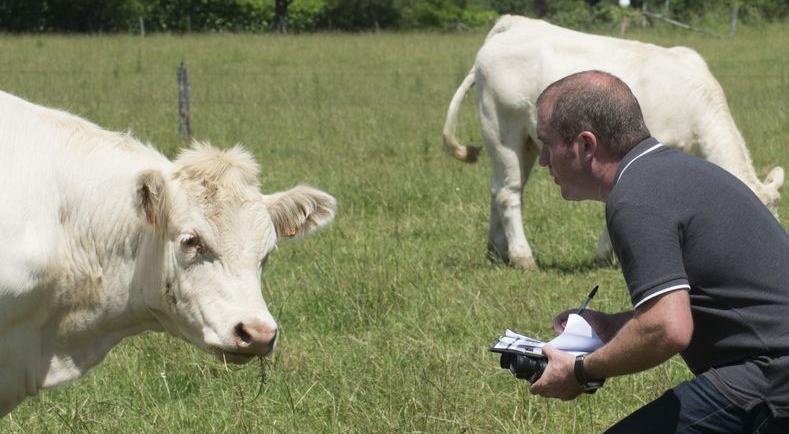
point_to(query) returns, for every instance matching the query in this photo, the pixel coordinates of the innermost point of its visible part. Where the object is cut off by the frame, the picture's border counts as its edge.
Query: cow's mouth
(232, 356)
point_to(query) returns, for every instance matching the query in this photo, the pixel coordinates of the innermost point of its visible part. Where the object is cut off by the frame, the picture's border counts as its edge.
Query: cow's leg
(19, 361)
(512, 157)
(530, 153)
(497, 242)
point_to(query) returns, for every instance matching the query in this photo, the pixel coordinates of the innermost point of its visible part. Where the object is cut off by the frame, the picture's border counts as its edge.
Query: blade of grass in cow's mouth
(232, 357)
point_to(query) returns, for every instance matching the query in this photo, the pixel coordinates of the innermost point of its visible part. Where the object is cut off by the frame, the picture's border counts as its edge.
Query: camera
(523, 367)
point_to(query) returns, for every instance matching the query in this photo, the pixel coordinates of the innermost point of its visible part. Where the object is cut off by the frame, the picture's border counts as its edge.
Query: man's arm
(659, 329)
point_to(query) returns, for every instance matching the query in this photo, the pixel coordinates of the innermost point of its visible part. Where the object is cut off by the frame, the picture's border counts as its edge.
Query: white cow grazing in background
(102, 237)
(683, 105)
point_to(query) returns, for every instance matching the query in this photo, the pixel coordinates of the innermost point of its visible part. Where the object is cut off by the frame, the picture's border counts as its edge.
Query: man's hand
(558, 380)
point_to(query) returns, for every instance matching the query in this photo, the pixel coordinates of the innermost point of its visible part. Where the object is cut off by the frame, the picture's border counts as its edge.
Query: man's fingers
(548, 351)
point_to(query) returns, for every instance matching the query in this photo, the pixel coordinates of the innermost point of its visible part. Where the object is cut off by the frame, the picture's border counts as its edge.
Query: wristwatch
(590, 385)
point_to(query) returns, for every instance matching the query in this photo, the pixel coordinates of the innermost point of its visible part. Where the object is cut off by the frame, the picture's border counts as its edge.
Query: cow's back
(523, 56)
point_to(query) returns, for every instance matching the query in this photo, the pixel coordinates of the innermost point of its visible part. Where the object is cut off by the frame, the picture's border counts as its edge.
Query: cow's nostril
(242, 333)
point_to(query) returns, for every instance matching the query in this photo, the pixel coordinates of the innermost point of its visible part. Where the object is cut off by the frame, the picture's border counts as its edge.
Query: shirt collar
(634, 153)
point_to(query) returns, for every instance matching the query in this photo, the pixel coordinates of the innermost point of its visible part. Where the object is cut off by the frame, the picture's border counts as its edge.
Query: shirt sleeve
(647, 241)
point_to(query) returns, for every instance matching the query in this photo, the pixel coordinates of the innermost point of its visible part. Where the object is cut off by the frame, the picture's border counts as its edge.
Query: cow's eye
(189, 242)
(263, 263)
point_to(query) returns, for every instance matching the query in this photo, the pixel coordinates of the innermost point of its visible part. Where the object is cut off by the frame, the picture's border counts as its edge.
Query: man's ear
(588, 144)
(300, 211)
(152, 201)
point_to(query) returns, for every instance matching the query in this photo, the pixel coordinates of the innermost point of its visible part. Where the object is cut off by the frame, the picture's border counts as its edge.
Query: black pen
(588, 299)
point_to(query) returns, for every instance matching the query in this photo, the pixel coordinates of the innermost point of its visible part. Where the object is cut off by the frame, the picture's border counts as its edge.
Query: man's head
(587, 122)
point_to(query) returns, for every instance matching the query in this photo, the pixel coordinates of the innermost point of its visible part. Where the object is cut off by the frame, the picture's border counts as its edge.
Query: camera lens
(523, 367)
(506, 360)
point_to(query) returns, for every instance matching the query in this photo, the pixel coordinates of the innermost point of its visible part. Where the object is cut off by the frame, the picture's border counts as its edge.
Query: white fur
(91, 230)
(683, 105)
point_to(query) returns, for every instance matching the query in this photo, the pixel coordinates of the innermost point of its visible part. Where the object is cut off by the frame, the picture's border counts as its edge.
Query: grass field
(388, 314)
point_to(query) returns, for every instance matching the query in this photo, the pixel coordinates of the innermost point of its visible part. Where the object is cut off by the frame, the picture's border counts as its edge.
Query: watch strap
(589, 384)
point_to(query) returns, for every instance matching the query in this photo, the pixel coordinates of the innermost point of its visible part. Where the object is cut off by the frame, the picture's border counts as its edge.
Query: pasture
(387, 315)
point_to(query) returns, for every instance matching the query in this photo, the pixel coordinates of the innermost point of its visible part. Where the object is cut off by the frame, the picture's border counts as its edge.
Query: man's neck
(606, 176)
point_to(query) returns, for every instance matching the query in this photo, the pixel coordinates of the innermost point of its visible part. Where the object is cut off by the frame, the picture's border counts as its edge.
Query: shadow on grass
(574, 265)
(563, 266)
(567, 265)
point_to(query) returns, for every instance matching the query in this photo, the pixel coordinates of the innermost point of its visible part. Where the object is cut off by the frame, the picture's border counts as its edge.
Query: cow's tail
(468, 154)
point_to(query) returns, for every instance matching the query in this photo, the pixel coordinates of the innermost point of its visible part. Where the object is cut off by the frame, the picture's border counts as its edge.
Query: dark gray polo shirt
(681, 223)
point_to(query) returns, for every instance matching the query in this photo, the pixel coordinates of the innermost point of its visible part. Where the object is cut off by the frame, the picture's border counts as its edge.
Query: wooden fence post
(623, 25)
(644, 20)
(184, 102)
(281, 15)
(733, 18)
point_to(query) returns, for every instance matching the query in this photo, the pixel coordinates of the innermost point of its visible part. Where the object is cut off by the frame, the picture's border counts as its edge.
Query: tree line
(94, 16)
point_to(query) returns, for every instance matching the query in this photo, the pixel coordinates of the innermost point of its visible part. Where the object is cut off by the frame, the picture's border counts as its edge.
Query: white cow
(102, 237)
(683, 105)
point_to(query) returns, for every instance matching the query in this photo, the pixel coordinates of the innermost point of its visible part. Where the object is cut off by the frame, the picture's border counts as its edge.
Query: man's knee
(694, 406)
(659, 416)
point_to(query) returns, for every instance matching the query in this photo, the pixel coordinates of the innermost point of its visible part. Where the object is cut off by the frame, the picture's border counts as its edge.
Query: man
(706, 264)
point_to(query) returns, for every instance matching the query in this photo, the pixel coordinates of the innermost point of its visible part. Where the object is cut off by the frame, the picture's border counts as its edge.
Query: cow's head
(210, 233)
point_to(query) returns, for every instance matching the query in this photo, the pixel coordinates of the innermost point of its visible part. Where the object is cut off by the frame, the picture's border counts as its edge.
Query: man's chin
(571, 197)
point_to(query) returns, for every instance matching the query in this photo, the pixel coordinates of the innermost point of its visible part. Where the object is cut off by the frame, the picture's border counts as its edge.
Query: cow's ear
(300, 211)
(152, 201)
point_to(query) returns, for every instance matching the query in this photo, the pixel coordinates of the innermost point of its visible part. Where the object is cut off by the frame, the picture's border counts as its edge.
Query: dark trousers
(697, 407)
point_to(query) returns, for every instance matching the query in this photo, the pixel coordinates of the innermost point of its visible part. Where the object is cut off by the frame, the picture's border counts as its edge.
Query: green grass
(386, 315)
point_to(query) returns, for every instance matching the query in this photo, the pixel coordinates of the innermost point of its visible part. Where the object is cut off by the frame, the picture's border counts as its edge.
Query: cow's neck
(153, 279)
(103, 281)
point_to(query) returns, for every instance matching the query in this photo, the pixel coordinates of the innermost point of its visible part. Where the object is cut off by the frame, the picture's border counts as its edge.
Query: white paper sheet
(577, 338)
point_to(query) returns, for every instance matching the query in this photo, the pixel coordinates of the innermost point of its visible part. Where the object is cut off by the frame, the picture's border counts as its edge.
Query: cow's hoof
(523, 263)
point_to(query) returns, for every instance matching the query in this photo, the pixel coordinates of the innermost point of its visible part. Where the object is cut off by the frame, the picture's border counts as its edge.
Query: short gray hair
(598, 102)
